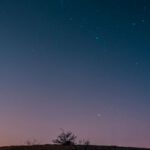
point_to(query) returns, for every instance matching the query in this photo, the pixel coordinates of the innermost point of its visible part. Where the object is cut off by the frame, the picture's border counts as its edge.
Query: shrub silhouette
(65, 138)
(85, 144)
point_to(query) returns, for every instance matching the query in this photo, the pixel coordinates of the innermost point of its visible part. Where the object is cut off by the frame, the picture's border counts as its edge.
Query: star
(99, 115)
(81, 26)
(62, 3)
(105, 50)
(143, 20)
(70, 18)
(145, 8)
(97, 37)
(134, 23)
(33, 50)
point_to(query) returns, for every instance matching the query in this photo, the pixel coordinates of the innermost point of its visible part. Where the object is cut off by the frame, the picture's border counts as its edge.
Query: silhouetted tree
(65, 138)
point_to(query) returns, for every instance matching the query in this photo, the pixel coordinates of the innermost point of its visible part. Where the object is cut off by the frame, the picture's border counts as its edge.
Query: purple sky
(79, 65)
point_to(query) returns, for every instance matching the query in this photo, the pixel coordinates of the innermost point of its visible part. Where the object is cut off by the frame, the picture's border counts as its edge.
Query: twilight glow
(80, 65)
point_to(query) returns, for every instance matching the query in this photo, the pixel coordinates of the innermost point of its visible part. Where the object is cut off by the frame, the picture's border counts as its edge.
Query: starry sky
(80, 65)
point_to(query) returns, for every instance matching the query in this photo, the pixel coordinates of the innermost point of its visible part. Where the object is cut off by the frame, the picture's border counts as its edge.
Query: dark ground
(57, 147)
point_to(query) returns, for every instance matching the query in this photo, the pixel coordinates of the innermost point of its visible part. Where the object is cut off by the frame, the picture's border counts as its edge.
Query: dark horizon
(53, 145)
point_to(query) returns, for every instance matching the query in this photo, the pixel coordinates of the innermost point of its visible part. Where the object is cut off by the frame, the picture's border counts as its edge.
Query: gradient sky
(80, 65)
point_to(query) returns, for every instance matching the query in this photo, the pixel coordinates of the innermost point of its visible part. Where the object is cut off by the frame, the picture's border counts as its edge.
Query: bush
(65, 138)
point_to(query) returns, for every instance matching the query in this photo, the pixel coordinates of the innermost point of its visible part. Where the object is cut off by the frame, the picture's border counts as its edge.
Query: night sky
(80, 65)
